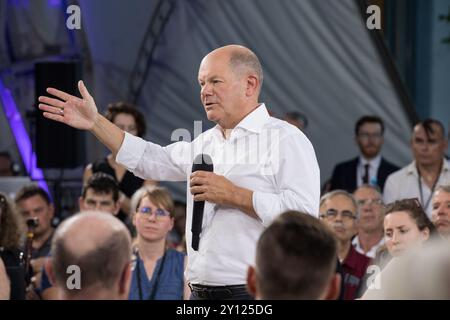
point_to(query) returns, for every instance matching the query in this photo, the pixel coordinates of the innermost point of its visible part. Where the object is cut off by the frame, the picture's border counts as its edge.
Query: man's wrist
(96, 123)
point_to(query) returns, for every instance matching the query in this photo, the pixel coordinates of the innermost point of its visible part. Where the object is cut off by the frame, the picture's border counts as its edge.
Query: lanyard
(425, 206)
(158, 276)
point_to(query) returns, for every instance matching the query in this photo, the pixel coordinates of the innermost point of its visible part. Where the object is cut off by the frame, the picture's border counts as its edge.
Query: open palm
(69, 109)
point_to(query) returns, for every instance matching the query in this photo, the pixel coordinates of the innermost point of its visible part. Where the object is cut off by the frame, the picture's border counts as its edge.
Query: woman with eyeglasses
(158, 271)
(12, 272)
(406, 225)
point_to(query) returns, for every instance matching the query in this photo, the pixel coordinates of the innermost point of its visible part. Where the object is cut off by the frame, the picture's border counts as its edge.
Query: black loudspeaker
(57, 145)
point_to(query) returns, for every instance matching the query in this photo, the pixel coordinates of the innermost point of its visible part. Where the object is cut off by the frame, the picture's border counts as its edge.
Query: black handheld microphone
(202, 162)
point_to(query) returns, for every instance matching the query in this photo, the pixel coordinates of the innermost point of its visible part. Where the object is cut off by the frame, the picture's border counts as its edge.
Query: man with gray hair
(91, 258)
(255, 157)
(440, 214)
(370, 233)
(338, 209)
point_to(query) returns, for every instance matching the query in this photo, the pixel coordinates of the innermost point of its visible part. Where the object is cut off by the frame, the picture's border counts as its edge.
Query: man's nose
(206, 90)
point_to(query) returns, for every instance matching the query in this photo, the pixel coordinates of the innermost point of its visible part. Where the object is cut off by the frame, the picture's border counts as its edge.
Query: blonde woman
(158, 271)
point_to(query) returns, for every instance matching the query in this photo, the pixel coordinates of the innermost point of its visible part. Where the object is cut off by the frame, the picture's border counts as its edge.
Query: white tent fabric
(318, 57)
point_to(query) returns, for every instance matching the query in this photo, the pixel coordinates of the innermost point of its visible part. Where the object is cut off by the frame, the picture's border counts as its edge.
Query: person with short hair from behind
(100, 193)
(158, 271)
(369, 167)
(338, 209)
(91, 258)
(441, 211)
(296, 258)
(370, 235)
(428, 171)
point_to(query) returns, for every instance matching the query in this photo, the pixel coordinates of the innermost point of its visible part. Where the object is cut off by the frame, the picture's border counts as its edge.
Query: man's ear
(52, 210)
(252, 286)
(81, 203)
(125, 281)
(117, 207)
(333, 289)
(252, 85)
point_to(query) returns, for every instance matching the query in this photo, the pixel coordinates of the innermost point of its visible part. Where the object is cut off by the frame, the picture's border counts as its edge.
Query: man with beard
(369, 167)
(338, 209)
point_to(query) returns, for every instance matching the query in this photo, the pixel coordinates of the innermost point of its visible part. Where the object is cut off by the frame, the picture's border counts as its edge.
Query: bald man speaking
(263, 166)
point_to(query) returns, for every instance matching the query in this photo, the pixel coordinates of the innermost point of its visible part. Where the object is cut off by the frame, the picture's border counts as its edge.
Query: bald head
(242, 60)
(230, 79)
(98, 243)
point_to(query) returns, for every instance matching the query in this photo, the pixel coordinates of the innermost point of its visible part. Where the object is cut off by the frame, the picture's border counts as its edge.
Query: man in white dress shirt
(427, 172)
(262, 167)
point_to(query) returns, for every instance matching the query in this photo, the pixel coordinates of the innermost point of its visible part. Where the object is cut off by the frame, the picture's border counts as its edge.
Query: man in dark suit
(369, 167)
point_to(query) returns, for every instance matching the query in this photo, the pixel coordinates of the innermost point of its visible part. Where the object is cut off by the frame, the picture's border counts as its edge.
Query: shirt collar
(375, 162)
(253, 122)
(412, 168)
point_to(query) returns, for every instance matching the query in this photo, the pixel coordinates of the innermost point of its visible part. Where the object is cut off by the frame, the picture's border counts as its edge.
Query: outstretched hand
(71, 110)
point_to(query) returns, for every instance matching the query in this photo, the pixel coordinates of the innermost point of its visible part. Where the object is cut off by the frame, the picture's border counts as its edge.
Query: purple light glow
(21, 136)
(54, 3)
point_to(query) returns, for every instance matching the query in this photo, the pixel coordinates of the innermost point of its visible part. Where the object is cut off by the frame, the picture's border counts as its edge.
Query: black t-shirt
(15, 271)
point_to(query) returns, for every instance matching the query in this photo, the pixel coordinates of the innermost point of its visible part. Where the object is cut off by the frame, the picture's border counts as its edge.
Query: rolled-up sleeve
(297, 178)
(148, 160)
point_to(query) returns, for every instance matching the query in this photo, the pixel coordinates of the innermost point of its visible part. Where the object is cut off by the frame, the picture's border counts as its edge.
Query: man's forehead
(338, 202)
(419, 131)
(365, 193)
(442, 194)
(35, 200)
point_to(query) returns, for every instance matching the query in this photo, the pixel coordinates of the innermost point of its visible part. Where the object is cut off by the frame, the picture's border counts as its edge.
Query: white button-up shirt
(404, 184)
(266, 155)
(373, 250)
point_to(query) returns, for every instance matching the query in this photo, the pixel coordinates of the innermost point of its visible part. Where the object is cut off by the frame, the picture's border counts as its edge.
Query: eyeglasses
(365, 135)
(333, 213)
(158, 212)
(369, 202)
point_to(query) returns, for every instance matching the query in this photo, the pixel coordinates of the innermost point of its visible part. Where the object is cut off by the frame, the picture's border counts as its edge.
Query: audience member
(428, 171)
(297, 119)
(33, 202)
(91, 258)
(158, 272)
(369, 167)
(287, 268)
(128, 118)
(12, 272)
(339, 211)
(441, 211)
(370, 232)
